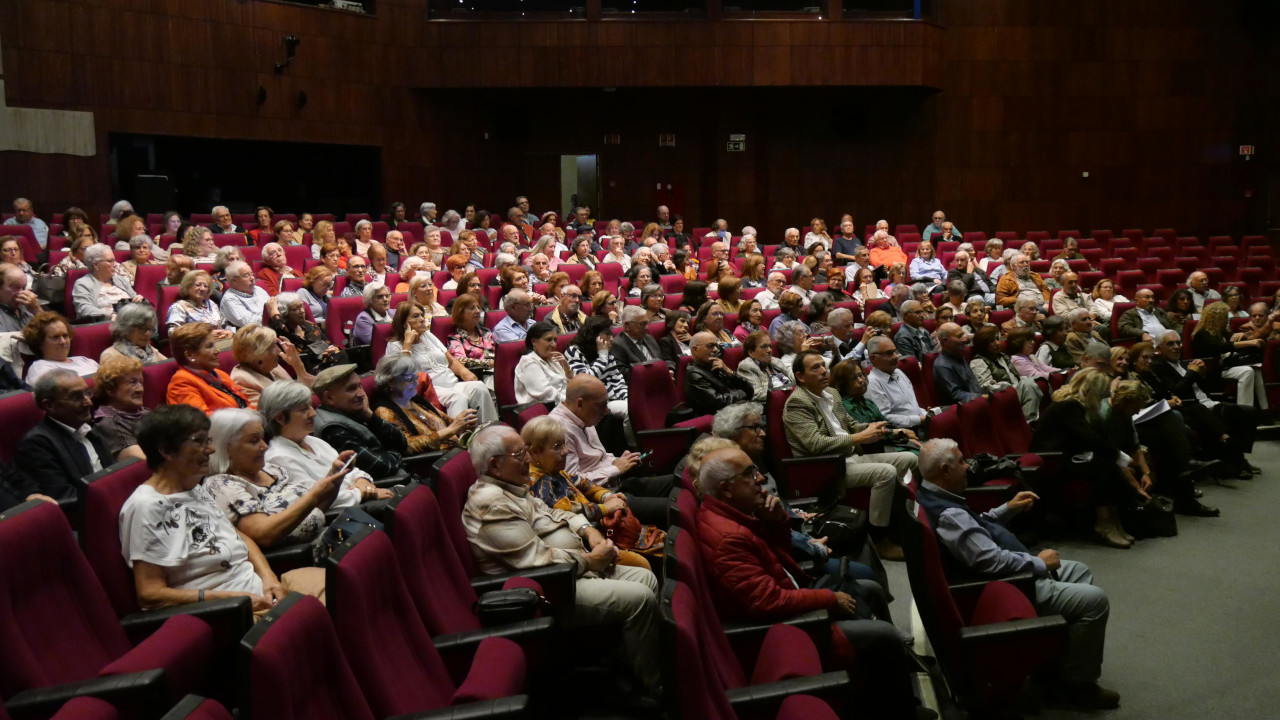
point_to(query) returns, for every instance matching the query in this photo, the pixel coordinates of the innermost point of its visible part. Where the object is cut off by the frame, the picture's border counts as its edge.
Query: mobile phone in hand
(347, 464)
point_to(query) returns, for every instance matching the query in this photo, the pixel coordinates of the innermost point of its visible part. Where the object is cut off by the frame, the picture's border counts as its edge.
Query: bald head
(585, 397)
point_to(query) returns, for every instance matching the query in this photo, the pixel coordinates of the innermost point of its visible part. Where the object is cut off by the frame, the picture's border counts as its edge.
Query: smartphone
(347, 464)
(644, 455)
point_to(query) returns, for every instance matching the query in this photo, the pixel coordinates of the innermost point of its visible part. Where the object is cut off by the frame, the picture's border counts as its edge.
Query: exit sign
(736, 146)
(1246, 150)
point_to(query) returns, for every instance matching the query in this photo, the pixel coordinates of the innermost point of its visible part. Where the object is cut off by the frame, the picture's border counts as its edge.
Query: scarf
(128, 349)
(216, 383)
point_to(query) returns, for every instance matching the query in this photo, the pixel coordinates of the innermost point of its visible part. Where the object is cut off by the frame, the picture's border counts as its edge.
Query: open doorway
(579, 183)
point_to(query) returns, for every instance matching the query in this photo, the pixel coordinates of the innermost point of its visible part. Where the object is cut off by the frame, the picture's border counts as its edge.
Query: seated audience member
(761, 369)
(1056, 270)
(133, 227)
(1082, 333)
(1181, 308)
(953, 381)
(730, 292)
(117, 394)
(61, 448)
(542, 374)
(287, 234)
(510, 529)
(977, 313)
(545, 439)
(1071, 296)
(885, 250)
(592, 282)
(457, 266)
(753, 272)
(312, 343)
(935, 227)
(913, 339)
(956, 293)
(471, 342)
(1070, 252)
(927, 268)
(710, 319)
(1031, 250)
(817, 424)
(1104, 299)
(750, 319)
(74, 259)
(315, 292)
(980, 545)
(585, 405)
(844, 244)
(470, 285)
(274, 269)
(422, 290)
(24, 215)
(99, 294)
(591, 353)
(652, 301)
(139, 254)
(131, 333)
(1146, 321)
(793, 338)
(1053, 351)
(198, 245)
(180, 546)
(262, 500)
(802, 279)
(742, 537)
(792, 310)
(848, 379)
(1021, 344)
(842, 342)
(784, 259)
(407, 401)
(694, 297)
(17, 304)
(889, 388)
(674, 344)
(48, 337)
(357, 276)
(345, 421)
(1026, 315)
(519, 319)
(222, 224)
(768, 298)
(1201, 293)
(1233, 298)
(1096, 355)
(634, 345)
(244, 300)
(709, 384)
(1021, 282)
(994, 372)
(1263, 323)
(194, 304)
(568, 315)
(456, 386)
(178, 266)
(225, 257)
(1074, 424)
(605, 305)
(1239, 360)
(199, 382)
(377, 302)
(258, 351)
(582, 253)
(975, 280)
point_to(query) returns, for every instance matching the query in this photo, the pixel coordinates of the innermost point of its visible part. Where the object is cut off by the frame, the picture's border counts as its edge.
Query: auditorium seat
(653, 395)
(155, 382)
(194, 707)
(803, 477)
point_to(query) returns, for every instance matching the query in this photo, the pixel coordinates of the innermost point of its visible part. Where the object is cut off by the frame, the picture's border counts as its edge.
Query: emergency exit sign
(736, 146)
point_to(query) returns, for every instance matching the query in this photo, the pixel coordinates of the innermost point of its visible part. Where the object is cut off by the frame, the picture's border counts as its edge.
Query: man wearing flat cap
(345, 421)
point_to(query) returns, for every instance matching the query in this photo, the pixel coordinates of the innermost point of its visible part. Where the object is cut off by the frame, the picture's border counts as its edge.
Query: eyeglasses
(203, 440)
(758, 427)
(520, 455)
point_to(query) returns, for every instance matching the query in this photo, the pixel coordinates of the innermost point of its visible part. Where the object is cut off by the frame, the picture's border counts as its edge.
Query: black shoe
(1253, 469)
(1195, 508)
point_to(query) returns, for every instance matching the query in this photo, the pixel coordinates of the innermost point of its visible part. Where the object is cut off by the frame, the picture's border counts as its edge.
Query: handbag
(503, 607)
(845, 529)
(984, 467)
(626, 531)
(1154, 518)
(50, 289)
(351, 521)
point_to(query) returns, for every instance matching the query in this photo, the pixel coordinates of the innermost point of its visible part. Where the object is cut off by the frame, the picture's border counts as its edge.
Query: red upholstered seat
(146, 282)
(155, 382)
(341, 317)
(194, 707)
(83, 708)
(20, 414)
(808, 476)
(652, 396)
(91, 340)
(506, 356)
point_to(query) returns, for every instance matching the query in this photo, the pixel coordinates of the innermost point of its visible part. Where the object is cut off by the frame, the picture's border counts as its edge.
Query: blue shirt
(972, 545)
(508, 330)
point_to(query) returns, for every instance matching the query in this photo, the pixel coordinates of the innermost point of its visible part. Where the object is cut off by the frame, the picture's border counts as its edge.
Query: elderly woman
(263, 500)
(993, 257)
(605, 305)
(274, 269)
(638, 278)
(194, 305)
(977, 313)
(117, 396)
(582, 253)
(865, 287)
(225, 256)
(377, 302)
(133, 226)
(817, 234)
(99, 294)
(592, 283)
(548, 247)
(406, 399)
(513, 277)
(543, 374)
(674, 344)
(792, 310)
(75, 256)
(422, 290)
(793, 338)
(432, 249)
(455, 385)
(471, 285)
(178, 543)
(258, 351)
(589, 353)
(199, 382)
(784, 259)
(331, 258)
(1057, 269)
(761, 368)
(409, 270)
(139, 254)
(315, 291)
(364, 237)
(1031, 250)
(471, 343)
(48, 336)
(750, 319)
(313, 345)
(198, 245)
(994, 371)
(131, 333)
(710, 318)
(925, 267)
(262, 216)
(652, 298)
(286, 234)
(11, 253)
(1235, 357)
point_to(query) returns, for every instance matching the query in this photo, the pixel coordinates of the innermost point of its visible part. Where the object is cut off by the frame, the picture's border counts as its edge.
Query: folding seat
(1093, 256)
(532, 411)
(168, 295)
(1227, 250)
(1036, 236)
(1188, 265)
(1078, 266)
(1111, 266)
(1040, 267)
(1164, 254)
(353, 218)
(1064, 234)
(900, 230)
(1251, 277)
(68, 306)
(1050, 247)
(194, 707)
(652, 397)
(563, 341)
(1149, 266)
(378, 343)
(1134, 236)
(673, 301)
(253, 253)
(1200, 253)
(442, 327)
(1214, 241)
(1267, 289)
(1102, 236)
(27, 238)
(999, 317)
(506, 356)
(872, 305)
(541, 312)
(1127, 281)
(341, 228)
(1090, 278)
(322, 216)
(155, 382)
(61, 638)
(1227, 264)
(672, 283)
(341, 318)
(1118, 310)
(804, 477)
(1248, 242)
(375, 616)
(229, 240)
(1129, 253)
(84, 708)
(1265, 263)
(975, 238)
(911, 368)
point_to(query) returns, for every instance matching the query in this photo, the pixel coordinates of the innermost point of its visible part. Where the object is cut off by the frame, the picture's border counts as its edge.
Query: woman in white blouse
(542, 375)
(198, 245)
(194, 305)
(48, 336)
(457, 387)
(1105, 298)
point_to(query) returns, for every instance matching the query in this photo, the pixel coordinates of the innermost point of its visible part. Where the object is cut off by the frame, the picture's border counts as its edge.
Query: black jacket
(627, 351)
(1165, 382)
(49, 460)
(709, 391)
(670, 351)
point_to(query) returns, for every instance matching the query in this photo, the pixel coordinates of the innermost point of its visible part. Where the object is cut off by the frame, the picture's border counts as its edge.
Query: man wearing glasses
(568, 315)
(516, 324)
(913, 339)
(890, 388)
(635, 346)
(62, 448)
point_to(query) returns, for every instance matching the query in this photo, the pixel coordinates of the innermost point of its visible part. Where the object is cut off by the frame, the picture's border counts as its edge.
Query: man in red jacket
(744, 536)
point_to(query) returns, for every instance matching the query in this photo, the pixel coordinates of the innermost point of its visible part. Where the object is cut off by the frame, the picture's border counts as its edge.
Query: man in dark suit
(709, 385)
(62, 448)
(952, 378)
(634, 345)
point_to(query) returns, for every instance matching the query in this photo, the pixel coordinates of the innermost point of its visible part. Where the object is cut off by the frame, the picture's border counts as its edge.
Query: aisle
(1195, 619)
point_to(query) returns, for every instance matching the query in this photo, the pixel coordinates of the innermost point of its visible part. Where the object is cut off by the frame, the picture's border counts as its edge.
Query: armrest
(1000, 632)
(1024, 582)
(807, 504)
(514, 706)
(229, 618)
(824, 685)
(400, 478)
(140, 694)
(815, 623)
(814, 476)
(668, 445)
(289, 557)
(522, 632)
(559, 583)
(421, 464)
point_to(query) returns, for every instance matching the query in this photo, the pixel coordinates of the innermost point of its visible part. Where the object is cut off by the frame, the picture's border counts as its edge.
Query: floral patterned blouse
(475, 354)
(237, 497)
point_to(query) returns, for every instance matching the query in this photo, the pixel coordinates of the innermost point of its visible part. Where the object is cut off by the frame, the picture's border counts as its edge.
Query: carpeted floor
(1195, 619)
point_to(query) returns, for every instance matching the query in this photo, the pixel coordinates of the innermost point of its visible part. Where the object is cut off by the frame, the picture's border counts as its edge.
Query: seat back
(946, 424)
(698, 692)
(454, 478)
(340, 317)
(146, 283)
(505, 358)
(938, 612)
(155, 382)
(686, 562)
(90, 340)
(20, 414)
(910, 367)
(652, 395)
(1014, 432)
(529, 413)
(57, 625)
(977, 431)
(102, 495)
(296, 667)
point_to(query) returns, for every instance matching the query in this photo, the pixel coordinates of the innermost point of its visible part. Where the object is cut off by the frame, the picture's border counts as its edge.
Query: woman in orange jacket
(199, 382)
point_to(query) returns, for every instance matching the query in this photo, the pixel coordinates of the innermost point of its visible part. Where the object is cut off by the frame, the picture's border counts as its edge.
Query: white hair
(287, 300)
(934, 454)
(660, 249)
(1028, 302)
(96, 253)
(631, 313)
(279, 397)
(361, 224)
(838, 316)
(370, 290)
(223, 208)
(233, 269)
(225, 425)
(748, 230)
(502, 260)
(729, 420)
(426, 207)
(413, 262)
(777, 275)
(488, 444)
(714, 471)
(117, 210)
(1076, 314)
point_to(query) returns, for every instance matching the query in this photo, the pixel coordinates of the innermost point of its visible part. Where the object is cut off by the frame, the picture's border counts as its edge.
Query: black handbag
(1154, 518)
(984, 467)
(503, 607)
(845, 529)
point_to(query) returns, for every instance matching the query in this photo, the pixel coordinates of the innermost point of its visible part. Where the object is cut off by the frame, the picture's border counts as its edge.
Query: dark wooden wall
(992, 116)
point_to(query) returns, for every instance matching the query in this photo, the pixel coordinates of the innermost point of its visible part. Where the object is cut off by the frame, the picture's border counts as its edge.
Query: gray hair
(649, 291)
(778, 275)
(1025, 302)
(785, 252)
(488, 444)
(392, 367)
(967, 247)
(748, 230)
(361, 224)
(917, 288)
(233, 269)
(631, 313)
(47, 386)
(801, 272)
(909, 306)
(1076, 314)
(413, 262)
(934, 454)
(660, 249)
(450, 217)
(714, 471)
(223, 208)
(876, 342)
(96, 253)
(956, 287)
(222, 259)
(226, 425)
(900, 293)
(996, 242)
(787, 333)
(1097, 351)
(838, 316)
(627, 228)
(370, 290)
(287, 300)
(1058, 263)
(729, 421)
(138, 241)
(426, 207)
(133, 316)
(502, 260)
(1164, 335)
(271, 245)
(281, 396)
(117, 210)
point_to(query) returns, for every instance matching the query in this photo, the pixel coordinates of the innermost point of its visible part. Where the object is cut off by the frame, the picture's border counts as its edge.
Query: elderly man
(61, 448)
(345, 421)
(773, 291)
(275, 268)
(898, 296)
(539, 268)
(24, 215)
(394, 248)
(1080, 321)
(742, 538)
(1146, 320)
(568, 315)
(1096, 355)
(1020, 282)
(981, 545)
(936, 228)
(709, 384)
(662, 263)
(1071, 297)
(913, 339)
(516, 219)
(664, 217)
(1053, 351)
(975, 281)
(510, 529)
(817, 424)
(803, 284)
(861, 261)
(243, 300)
(1026, 314)
(1198, 284)
(953, 381)
(515, 326)
(585, 404)
(510, 233)
(634, 345)
(890, 388)
(885, 252)
(1070, 251)
(17, 304)
(842, 341)
(222, 224)
(845, 244)
(357, 276)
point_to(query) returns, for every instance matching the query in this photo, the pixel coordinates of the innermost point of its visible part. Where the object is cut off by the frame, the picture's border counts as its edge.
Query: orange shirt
(887, 256)
(187, 388)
